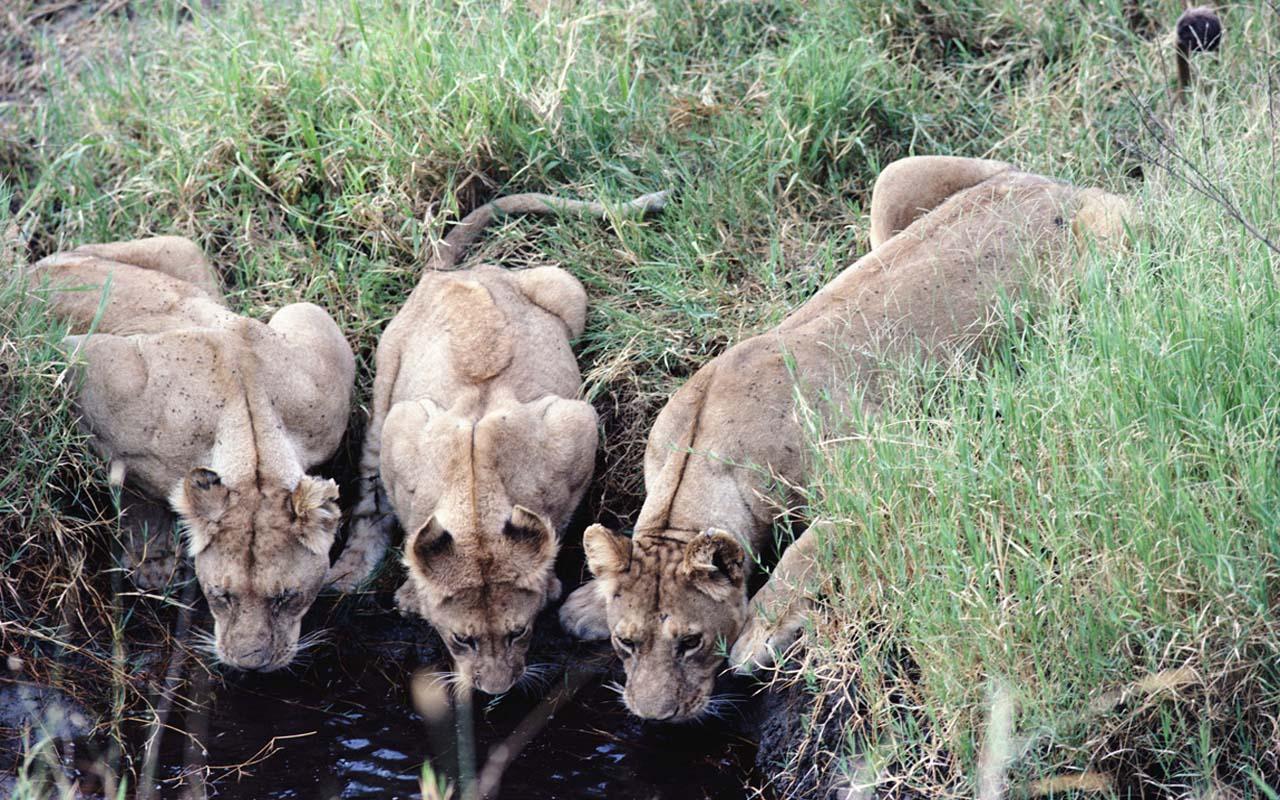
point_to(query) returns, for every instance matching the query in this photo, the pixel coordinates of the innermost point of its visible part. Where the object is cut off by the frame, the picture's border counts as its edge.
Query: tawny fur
(220, 414)
(478, 445)
(950, 237)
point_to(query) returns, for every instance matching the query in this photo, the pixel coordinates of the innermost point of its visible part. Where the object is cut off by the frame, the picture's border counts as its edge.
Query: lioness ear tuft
(313, 494)
(315, 504)
(428, 543)
(714, 559)
(608, 553)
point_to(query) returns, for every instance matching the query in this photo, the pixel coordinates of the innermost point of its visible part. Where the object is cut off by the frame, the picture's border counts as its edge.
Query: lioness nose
(656, 706)
(256, 659)
(496, 681)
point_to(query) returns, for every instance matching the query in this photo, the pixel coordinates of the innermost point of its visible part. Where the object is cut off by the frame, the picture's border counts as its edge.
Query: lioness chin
(952, 239)
(479, 446)
(219, 414)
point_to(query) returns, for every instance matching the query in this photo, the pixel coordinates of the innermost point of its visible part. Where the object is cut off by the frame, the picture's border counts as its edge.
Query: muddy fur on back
(479, 446)
(950, 238)
(217, 414)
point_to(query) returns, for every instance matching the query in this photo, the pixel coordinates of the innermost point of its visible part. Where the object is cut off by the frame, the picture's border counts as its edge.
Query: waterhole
(344, 725)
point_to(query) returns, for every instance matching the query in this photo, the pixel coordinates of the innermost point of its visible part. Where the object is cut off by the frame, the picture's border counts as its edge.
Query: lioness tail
(466, 232)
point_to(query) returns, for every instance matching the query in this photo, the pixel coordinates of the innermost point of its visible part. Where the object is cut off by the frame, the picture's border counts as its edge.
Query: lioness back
(460, 329)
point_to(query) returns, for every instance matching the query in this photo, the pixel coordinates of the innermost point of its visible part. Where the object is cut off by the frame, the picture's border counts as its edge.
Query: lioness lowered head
(673, 605)
(260, 556)
(482, 563)
(482, 594)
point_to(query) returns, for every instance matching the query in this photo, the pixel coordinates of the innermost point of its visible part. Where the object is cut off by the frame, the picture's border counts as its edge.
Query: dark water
(345, 726)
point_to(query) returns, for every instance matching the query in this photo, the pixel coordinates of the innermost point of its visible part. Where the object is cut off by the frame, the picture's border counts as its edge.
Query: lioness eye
(468, 642)
(626, 646)
(517, 633)
(220, 598)
(281, 600)
(689, 643)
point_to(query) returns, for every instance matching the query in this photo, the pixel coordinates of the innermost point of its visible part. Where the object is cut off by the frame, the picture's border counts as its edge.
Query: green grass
(1093, 505)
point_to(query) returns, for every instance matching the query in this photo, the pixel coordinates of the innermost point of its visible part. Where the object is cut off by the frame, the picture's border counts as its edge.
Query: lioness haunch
(950, 237)
(479, 446)
(219, 413)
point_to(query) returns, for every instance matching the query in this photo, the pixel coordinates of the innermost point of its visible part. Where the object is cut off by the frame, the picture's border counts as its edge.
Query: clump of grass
(1088, 519)
(69, 622)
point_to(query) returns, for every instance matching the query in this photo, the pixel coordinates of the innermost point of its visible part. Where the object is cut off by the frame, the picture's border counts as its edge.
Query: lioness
(949, 237)
(479, 444)
(219, 413)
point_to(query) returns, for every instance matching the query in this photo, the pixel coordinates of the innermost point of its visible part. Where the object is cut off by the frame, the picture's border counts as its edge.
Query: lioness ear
(200, 500)
(428, 544)
(608, 553)
(531, 532)
(315, 504)
(1104, 218)
(714, 562)
(201, 496)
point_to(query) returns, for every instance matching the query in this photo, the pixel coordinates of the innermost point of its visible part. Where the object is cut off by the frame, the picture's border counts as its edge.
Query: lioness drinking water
(221, 414)
(950, 238)
(479, 446)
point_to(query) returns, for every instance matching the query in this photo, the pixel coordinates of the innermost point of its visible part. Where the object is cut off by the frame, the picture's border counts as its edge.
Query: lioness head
(260, 556)
(672, 608)
(481, 563)
(483, 593)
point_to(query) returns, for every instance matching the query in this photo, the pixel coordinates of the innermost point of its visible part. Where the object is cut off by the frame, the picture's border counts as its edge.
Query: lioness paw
(348, 573)
(762, 642)
(365, 549)
(583, 613)
(154, 572)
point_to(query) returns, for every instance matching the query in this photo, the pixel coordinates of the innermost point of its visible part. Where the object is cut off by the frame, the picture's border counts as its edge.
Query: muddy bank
(800, 738)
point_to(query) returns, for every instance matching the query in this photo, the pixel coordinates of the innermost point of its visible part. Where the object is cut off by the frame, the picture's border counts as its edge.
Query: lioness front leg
(150, 547)
(583, 613)
(373, 519)
(779, 610)
(371, 526)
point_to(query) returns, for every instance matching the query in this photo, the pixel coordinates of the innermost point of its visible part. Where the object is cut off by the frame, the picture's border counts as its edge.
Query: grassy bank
(1096, 506)
(1081, 535)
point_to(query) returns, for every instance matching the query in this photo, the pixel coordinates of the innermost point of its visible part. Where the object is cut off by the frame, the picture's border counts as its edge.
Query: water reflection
(364, 716)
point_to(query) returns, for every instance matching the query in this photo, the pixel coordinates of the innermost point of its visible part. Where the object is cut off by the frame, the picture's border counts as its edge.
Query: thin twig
(1169, 156)
(172, 679)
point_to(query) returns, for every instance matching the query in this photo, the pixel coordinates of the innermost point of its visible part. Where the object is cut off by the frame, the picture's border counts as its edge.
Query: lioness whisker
(542, 667)
(543, 672)
(445, 679)
(533, 681)
(314, 639)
